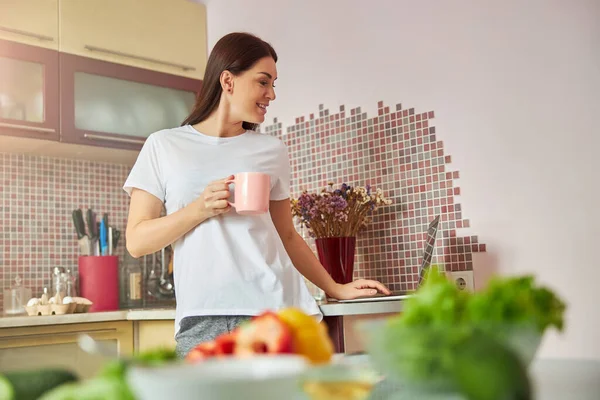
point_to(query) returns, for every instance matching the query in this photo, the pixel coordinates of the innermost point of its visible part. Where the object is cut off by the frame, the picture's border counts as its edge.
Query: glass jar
(71, 284)
(16, 298)
(132, 281)
(59, 282)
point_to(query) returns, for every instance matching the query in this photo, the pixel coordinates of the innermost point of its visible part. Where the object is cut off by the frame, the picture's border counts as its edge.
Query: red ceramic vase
(337, 256)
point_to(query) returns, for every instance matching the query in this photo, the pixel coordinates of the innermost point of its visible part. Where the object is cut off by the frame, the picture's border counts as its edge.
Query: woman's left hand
(358, 288)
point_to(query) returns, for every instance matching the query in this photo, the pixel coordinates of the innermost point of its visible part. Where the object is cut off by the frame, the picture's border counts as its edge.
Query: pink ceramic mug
(251, 193)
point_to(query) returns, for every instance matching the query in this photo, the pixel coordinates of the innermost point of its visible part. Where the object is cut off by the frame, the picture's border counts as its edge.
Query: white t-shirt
(229, 264)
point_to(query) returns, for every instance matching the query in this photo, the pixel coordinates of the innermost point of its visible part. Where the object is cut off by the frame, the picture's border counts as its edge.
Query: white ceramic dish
(258, 378)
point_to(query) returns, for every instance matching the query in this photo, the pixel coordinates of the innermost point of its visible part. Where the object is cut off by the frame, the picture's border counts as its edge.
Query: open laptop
(427, 255)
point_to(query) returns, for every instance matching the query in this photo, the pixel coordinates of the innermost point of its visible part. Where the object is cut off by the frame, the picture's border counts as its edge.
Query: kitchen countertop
(80, 318)
(333, 308)
(559, 379)
(329, 309)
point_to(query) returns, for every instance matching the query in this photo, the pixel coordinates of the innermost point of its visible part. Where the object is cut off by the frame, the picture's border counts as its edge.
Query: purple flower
(306, 203)
(337, 212)
(330, 204)
(345, 190)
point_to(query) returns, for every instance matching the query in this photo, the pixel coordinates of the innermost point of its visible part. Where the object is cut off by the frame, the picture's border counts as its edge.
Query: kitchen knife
(103, 239)
(78, 222)
(83, 239)
(116, 237)
(90, 218)
(91, 223)
(110, 240)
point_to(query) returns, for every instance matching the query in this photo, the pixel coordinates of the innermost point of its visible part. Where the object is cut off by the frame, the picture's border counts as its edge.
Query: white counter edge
(334, 309)
(331, 309)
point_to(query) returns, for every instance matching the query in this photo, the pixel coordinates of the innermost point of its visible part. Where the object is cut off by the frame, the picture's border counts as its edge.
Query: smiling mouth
(263, 107)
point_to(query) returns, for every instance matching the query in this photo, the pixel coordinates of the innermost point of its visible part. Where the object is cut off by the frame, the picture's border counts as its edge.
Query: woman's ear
(226, 81)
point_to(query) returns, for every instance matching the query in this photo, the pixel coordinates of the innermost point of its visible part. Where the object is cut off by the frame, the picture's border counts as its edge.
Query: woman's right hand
(148, 232)
(213, 201)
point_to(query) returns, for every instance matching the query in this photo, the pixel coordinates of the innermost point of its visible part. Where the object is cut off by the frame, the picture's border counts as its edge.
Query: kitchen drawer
(56, 346)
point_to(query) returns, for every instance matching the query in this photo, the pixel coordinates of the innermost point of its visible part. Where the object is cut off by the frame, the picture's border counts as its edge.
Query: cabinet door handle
(92, 136)
(141, 58)
(28, 34)
(57, 334)
(27, 128)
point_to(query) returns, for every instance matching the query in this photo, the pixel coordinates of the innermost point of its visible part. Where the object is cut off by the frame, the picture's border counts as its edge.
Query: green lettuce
(478, 343)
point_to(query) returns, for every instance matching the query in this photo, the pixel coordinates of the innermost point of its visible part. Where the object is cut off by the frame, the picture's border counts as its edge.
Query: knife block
(99, 281)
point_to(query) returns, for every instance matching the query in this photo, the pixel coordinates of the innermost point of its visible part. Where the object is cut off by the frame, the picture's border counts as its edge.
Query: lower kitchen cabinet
(56, 346)
(149, 335)
(344, 332)
(353, 342)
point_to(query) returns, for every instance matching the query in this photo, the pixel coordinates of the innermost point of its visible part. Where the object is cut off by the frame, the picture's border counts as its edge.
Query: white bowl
(260, 377)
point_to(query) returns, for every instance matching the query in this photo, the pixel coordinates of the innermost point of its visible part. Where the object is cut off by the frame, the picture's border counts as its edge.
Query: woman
(227, 267)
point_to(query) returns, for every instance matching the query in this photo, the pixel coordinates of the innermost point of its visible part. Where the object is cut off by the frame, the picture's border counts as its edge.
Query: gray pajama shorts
(195, 330)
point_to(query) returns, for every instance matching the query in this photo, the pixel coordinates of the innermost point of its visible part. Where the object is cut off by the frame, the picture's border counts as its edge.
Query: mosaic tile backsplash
(397, 151)
(37, 196)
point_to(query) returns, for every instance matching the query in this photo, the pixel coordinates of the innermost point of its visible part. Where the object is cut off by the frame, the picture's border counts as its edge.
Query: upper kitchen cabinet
(163, 35)
(33, 22)
(112, 105)
(29, 95)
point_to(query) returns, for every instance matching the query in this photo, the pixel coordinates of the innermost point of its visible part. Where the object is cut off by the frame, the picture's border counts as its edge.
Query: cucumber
(99, 388)
(6, 389)
(30, 385)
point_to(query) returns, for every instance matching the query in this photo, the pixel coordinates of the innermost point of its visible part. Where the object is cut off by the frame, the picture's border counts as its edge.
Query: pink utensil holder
(99, 281)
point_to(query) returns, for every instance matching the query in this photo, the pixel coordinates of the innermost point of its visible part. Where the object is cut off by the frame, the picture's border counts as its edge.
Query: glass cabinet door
(112, 105)
(122, 107)
(28, 91)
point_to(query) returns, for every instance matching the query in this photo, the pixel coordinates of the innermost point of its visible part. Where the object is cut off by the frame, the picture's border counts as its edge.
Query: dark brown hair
(236, 53)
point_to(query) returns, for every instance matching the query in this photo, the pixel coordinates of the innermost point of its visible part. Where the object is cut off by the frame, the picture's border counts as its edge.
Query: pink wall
(513, 85)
